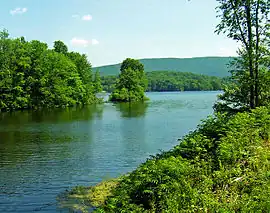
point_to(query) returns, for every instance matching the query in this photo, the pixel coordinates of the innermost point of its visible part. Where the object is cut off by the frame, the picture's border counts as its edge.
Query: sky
(109, 31)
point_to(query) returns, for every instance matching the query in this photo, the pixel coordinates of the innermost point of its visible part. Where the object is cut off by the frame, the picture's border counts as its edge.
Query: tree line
(160, 81)
(34, 76)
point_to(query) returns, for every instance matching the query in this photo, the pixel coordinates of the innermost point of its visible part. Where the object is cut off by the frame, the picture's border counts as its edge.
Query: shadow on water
(36, 144)
(23, 133)
(51, 115)
(130, 110)
(133, 130)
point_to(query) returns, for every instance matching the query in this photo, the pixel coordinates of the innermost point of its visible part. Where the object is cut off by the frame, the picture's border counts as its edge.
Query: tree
(131, 84)
(247, 22)
(60, 47)
(84, 67)
(4, 34)
(135, 65)
(97, 83)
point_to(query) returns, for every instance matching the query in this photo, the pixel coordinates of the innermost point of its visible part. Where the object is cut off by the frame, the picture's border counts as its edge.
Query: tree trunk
(250, 53)
(257, 56)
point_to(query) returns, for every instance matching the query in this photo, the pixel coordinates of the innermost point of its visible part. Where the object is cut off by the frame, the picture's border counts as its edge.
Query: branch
(238, 24)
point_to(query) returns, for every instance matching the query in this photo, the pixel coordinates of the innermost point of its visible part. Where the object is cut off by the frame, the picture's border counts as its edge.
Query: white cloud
(83, 42)
(87, 18)
(18, 10)
(80, 42)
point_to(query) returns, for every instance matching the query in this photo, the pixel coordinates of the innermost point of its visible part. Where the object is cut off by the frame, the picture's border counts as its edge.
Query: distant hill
(212, 66)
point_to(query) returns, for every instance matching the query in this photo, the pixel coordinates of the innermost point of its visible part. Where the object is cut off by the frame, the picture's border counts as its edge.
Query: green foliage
(131, 84)
(97, 82)
(223, 166)
(108, 83)
(236, 96)
(60, 47)
(172, 81)
(211, 66)
(181, 81)
(247, 22)
(32, 76)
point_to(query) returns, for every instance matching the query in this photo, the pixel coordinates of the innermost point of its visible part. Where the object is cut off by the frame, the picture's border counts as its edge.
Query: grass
(85, 199)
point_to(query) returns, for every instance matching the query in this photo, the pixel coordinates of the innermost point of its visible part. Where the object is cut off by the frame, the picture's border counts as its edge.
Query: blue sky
(109, 31)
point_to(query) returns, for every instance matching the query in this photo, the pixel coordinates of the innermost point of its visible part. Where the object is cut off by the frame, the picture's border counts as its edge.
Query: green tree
(131, 84)
(84, 67)
(60, 81)
(136, 65)
(60, 47)
(4, 34)
(97, 82)
(33, 76)
(246, 21)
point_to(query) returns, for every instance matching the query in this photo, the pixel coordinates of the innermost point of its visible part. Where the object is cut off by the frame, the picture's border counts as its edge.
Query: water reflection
(135, 109)
(51, 115)
(133, 131)
(22, 133)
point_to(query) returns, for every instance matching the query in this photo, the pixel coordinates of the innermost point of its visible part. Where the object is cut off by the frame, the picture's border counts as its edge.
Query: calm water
(45, 153)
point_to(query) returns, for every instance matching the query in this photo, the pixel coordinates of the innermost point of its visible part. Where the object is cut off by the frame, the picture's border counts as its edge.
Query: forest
(33, 76)
(160, 81)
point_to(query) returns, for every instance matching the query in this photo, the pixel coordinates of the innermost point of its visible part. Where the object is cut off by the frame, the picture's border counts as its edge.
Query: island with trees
(131, 84)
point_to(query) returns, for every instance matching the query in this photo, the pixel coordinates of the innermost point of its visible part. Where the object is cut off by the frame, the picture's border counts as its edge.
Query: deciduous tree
(247, 22)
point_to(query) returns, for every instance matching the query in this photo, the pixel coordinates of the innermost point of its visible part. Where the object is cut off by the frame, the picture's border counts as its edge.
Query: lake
(46, 152)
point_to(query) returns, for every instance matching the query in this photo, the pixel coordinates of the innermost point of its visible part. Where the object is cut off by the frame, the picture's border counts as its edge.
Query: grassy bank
(223, 166)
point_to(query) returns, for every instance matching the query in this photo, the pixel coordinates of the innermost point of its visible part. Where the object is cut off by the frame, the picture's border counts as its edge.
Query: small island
(131, 84)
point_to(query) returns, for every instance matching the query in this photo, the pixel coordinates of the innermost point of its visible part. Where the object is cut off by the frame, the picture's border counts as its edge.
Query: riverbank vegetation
(161, 81)
(34, 76)
(223, 166)
(131, 84)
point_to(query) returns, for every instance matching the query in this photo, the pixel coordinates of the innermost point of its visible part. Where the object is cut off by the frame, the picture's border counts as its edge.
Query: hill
(212, 66)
